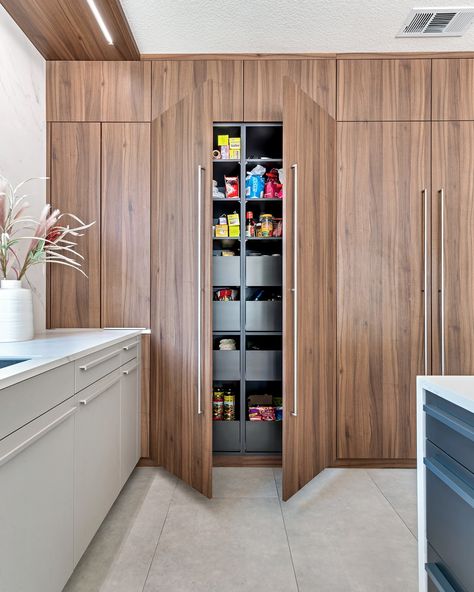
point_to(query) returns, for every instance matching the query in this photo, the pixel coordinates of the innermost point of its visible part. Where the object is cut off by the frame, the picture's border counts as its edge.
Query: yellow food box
(233, 219)
(234, 231)
(223, 140)
(234, 154)
(222, 230)
(234, 143)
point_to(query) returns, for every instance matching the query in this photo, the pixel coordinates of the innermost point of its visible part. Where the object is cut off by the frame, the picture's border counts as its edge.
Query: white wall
(23, 128)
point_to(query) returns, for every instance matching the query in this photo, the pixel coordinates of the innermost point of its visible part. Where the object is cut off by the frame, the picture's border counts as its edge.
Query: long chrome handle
(442, 285)
(98, 361)
(200, 170)
(9, 455)
(295, 290)
(100, 387)
(425, 279)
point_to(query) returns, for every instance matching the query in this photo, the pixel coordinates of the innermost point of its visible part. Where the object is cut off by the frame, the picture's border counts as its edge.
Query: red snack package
(231, 187)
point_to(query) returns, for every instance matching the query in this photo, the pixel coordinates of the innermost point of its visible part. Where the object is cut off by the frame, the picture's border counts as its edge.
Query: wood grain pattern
(383, 90)
(145, 398)
(453, 162)
(182, 140)
(453, 83)
(125, 227)
(383, 168)
(173, 80)
(310, 142)
(75, 188)
(263, 84)
(67, 29)
(98, 91)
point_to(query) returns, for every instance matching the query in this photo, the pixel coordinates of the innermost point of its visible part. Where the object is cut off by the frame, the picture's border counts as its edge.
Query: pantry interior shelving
(247, 307)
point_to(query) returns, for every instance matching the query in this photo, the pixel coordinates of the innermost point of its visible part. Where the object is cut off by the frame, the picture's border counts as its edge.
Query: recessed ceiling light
(100, 21)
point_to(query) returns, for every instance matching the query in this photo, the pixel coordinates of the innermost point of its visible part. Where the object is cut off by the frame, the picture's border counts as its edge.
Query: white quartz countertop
(456, 389)
(54, 348)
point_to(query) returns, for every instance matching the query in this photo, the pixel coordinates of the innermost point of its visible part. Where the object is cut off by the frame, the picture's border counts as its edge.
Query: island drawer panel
(25, 401)
(93, 367)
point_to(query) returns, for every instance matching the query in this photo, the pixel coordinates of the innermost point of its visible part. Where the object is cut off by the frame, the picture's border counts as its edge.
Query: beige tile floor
(349, 530)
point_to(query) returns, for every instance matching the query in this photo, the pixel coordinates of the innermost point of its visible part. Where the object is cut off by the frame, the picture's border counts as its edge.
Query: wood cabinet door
(309, 319)
(174, 80)
(383, 188)
(263, 85)
(125, 225)
(383, 90)
(453, 247)
(75, 187)
(453, 81)
(181, 287)
(98, 91)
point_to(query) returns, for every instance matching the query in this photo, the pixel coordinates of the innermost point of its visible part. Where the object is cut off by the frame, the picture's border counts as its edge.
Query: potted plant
(26, 241)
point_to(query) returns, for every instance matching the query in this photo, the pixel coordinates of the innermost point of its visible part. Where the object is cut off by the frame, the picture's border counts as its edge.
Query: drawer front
(226, 271)
(226, 365)
(263, 365)
(263, 436)
(27, 400)
(264, 271)
(97, 365)
(226, 316)
(440, 579)
(130, 350)
(451, 429)
(263, 316)
(450, 514)
(226, 436)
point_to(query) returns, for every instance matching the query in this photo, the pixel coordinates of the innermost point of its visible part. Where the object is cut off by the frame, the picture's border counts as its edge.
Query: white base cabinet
(36, 503)
(61, 472)
(96, 457)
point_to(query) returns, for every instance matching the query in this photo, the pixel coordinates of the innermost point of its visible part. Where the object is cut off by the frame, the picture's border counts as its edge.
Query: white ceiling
(280, 26)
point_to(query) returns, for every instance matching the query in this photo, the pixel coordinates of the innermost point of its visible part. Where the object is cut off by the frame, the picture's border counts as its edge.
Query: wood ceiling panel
(67, 29)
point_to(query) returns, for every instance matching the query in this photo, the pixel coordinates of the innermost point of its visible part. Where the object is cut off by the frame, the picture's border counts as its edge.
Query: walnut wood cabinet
(264, 82)
(383, 198)
(453, 83)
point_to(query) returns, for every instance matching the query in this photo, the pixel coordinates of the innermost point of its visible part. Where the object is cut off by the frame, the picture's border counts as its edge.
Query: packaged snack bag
(254, 183)
(231, 187)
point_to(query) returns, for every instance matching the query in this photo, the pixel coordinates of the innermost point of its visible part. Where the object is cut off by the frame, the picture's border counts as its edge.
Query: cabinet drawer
(264, 271)
(226, 316)
(263, 365)
(226, 436)
(226, 365)
(130, 350)
(226, 271)
(97, 365)
(451, 429)
(27, 400)
(450, 514)
(440, 579)
(263, 436)
(263, 316)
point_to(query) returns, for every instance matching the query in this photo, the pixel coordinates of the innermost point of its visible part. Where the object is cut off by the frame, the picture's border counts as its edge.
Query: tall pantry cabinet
(383, 265)
(182, 138)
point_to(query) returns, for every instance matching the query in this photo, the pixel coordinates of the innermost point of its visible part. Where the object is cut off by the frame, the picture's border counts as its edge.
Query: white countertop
(54, 348)
(456, 389)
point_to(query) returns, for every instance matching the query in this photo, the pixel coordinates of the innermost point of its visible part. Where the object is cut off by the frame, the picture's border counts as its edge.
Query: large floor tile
(120, 554)
(345, 537)
(243, 482)
(399, 488)
(236, 545)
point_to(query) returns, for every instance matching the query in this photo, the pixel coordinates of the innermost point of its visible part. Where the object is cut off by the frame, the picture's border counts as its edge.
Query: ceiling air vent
(437, 22)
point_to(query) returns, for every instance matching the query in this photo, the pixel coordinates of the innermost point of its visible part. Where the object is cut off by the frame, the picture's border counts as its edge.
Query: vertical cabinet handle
(200, 170)
(294, 289)
(443, 357)
(425, 275)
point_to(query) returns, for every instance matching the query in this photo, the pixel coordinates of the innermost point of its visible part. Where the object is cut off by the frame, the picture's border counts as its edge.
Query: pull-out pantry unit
(245, 342)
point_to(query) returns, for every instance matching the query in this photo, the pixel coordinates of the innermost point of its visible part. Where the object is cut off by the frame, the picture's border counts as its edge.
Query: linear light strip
(100, 21)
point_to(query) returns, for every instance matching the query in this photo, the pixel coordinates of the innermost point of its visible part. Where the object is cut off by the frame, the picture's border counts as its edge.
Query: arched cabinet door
(181, 287)
(309, 144)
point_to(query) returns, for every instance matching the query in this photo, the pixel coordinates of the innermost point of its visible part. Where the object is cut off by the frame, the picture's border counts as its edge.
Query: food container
(266, 221)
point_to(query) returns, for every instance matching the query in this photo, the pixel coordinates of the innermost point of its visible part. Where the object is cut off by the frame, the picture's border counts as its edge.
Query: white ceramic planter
(16, 312)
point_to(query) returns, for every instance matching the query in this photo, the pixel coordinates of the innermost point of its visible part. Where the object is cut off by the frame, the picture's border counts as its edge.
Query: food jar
(266, 220)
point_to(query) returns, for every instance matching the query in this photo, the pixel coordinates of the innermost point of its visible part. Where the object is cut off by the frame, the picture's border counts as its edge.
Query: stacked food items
(267, 226)
(228, 226)
(227, 345)
(223, 404)
(229, 148)
(226, 295)
(256, 187)
(265, 407)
